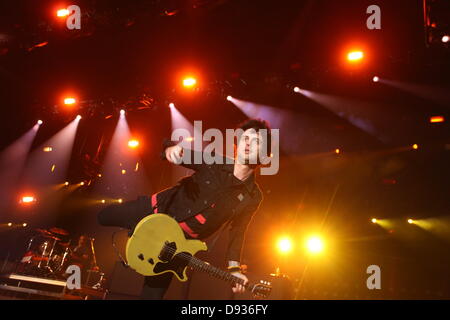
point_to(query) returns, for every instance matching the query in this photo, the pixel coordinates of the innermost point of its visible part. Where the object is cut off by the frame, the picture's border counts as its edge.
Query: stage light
(337, 151)
(376, 79)
(28, 199)
(99, 175)
(47, 149)
(229, 98)
(171, 105)
(445, 39)
(133, 143)
(415, 146)
(66, 183)
(62, 13)
(437, 119)
(24, 225)
(137, 167)
(120, 200)
(122, 112)
(69, 101)
(189, 82)
(315, 245)
(124, 171)
(78, 118)
(103, 201)
(189, 139)
(82, 183)
(410, 221)
(355, 56)
(374, 220)
(284, 245)
(9, 224)
(297, 89)
(39, 122)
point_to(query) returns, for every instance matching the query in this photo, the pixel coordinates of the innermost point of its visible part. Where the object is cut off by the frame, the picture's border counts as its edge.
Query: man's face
(248, 147)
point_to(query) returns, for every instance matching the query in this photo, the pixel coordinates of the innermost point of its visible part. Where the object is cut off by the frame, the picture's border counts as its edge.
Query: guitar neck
(200, 265)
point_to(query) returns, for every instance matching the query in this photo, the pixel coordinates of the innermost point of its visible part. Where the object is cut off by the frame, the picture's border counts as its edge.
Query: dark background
(256, 51)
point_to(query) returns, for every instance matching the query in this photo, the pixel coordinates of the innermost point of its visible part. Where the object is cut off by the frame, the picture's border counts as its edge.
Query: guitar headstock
(262, 289)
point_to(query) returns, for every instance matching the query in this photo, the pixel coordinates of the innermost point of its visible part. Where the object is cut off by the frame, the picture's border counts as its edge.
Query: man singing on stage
(201, 203)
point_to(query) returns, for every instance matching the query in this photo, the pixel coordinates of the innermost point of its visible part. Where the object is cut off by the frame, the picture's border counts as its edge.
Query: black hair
(258, 124)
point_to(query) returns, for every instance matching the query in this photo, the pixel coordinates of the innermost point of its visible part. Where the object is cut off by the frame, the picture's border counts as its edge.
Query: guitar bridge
(167, 251)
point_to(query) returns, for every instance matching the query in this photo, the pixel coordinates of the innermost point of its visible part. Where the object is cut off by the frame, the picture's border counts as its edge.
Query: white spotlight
(122, 112)
(78, 118)
(445, 39)
(171, 105)
(229, 98)
(376, 79)
(297, 89)
(39, 122)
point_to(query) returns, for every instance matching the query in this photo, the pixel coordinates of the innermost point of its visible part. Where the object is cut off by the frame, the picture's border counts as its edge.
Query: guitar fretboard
(200, 265)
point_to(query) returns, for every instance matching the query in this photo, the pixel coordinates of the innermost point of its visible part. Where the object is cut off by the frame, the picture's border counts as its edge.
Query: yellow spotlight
(337, 151)
(99, 175)
(47, 149)
(24, 225)
(374, 220)
(53, 168)
(415, 146)
(9, 224)
(120, 200)
(124, 171)
(437, 119)
(284, 245)
(189, 82)
(82, 183)
(69, 101)
(66, 183)
(62, 13)
(189, 139)
(103, 201)
(410, 221)
(133, 143)
(315, 245)
(355, 56)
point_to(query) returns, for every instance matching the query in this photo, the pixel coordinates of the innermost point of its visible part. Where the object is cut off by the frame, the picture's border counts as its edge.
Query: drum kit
(48, 254)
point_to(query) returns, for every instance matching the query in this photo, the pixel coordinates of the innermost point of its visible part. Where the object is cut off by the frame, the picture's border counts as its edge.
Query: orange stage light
(69, 101)
(28, 199)
(355, 56)
(437, 119)
(62, 13)
(189, 82)
(133, 143)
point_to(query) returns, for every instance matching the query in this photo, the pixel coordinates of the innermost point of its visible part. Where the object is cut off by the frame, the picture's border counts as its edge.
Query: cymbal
(52, 237)
(59, 231)
(43, 231)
